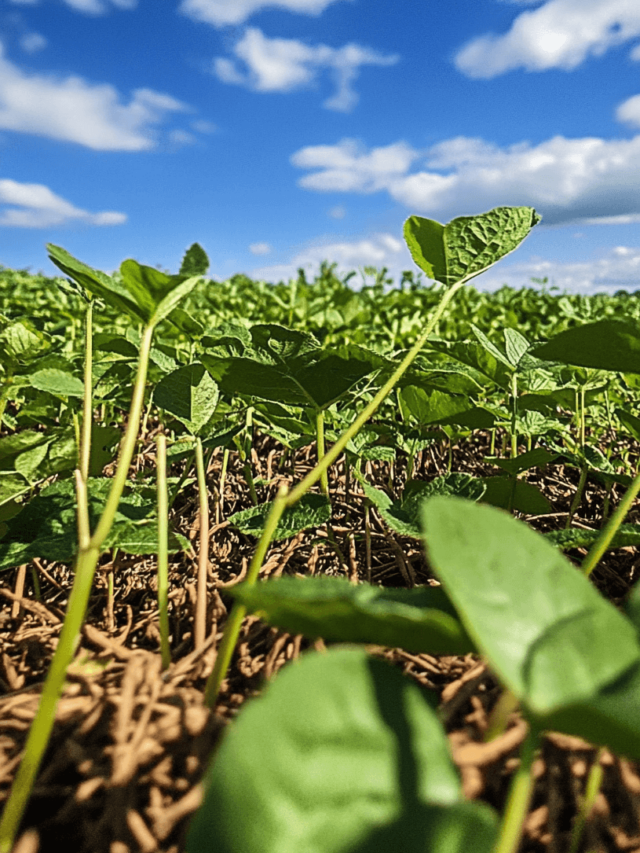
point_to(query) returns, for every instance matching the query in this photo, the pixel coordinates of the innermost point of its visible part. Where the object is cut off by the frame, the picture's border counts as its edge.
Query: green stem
(577, 498)
(514, 415)
(87, 403)
(330, 457)
(609, 531)
(163, 548)
(519, 798)
(85, 567)
(284, 500)
(594, 781)
(200, 621)
(234, 621)
(324, 479)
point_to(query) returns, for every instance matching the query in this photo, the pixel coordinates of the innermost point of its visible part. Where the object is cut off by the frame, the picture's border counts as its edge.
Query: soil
(123, 770)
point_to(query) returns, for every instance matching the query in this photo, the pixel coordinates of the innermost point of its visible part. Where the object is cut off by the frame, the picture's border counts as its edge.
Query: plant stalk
(163, 548)
(519, 797)
(609, 530)
(238, 611)
(200, 621)
(324, 479)
(87, 402)
(85, 567)
(284, 500)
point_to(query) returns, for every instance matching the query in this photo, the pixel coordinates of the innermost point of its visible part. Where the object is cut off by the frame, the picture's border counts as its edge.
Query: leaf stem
(200, 621)
(87, 402)
(519, 797)
(238, 611)
(594, 781)
(85, 567)
(324, 479)
(284, 500)
(609, 530)
(163, 548)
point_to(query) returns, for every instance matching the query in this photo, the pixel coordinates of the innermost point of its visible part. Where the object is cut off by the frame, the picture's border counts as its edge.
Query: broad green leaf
(195, 261)
(431, 406)
(154, 292)
(576, 537)
(418, 620)
(96, 282)
(605, 345)
(189, 394)
(29, 462)
(515, 346)
(476, 357)
(468, 245)
(104, 444)
(57, 382)
(546, 630)
(21, 342)
(512, 494)
(404, 516)
(11, 445)
(310, 511)
(341, 754)
(290, 368)
(537, 458)
(630, 422)
(12, 486)
(491, 348)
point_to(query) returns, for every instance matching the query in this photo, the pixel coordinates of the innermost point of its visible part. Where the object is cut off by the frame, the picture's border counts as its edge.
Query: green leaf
(57, 382)
(289, 367)
(195, 261)
(547, 632)
(310, 511)
(189, 394)
(96, 282)
(491, 348)
(11, 487)
(468, 245)
(605, 345)
(576, 537)
(22, 342)
(537, 458)
(418, 620)
(512, 494)
(630, 422)
(155, 293)
(341, 754)
(431, 406)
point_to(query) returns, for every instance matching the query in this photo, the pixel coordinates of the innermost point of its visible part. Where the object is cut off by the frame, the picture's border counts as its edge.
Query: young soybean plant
(377, 799)
(147, 296)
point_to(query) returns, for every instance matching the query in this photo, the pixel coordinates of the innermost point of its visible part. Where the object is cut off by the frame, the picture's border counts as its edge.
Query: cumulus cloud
(629, 111)
(36, 206)
(282, 65)
(617, 269)
(224, 12)
(567, 180)
(558, 34)
(32, 42)
(349, 167)
(338, 212)
(377, 250)
(74, 110)
(99, 7)
(259, 248)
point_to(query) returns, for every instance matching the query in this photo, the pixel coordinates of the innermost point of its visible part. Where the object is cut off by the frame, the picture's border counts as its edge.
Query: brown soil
(130, 744)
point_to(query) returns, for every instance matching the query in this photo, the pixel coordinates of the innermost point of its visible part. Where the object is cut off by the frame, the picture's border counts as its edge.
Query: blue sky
(278, 134)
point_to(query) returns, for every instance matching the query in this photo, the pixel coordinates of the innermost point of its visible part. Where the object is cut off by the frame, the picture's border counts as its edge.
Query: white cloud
(204, 126)
(348, 167)
(378, 250)
(567, 180)
(282, 65)
(36, 206)
(74, 110)
(338, 212)
(99, 7)
(635, 54)
(558, 34)
(259, 248)
(617, 269)
(223, 12)
(629, 111)
(33, 42)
